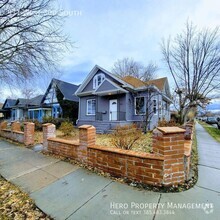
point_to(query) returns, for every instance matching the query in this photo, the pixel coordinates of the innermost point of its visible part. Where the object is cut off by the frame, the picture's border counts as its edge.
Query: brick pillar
(87, 135)
(49, 130)
(169, 142)
(3, 125)
(29, 133)
(16, 126)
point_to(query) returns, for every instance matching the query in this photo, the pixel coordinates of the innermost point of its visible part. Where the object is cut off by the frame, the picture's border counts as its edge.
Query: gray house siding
(124, 92)
(83, 109)
(89, 86)
(106, 86)
(102, 106)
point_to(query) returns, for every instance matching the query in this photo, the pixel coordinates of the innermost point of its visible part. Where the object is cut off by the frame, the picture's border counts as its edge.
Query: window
(91, 106)
(155, 106)
(139, 105)
(97, 80)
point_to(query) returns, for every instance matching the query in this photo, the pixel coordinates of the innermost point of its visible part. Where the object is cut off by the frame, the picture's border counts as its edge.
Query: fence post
(169, 142)
(29, 133)
(87, 136)
(49, 130)
(16, 126)
(3, 125)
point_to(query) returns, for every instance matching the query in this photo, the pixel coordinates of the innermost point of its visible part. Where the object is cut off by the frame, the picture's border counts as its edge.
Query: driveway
(66, 191)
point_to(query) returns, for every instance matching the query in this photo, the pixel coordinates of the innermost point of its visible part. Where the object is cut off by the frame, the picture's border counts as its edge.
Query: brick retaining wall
(15, 133)
(166, 166)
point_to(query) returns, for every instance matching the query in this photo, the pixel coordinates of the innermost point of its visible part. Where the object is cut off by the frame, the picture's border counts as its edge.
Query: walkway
(66, 191)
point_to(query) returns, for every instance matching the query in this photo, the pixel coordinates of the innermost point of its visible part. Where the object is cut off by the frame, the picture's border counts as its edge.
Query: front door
(113, 106)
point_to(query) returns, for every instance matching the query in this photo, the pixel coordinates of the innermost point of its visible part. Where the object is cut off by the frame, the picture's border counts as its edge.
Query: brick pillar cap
(47, 124)
(86, 126)
(171, 130)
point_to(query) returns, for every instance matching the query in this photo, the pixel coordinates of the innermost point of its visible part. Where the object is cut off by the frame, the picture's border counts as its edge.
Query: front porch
(103, 127)
(114, 116)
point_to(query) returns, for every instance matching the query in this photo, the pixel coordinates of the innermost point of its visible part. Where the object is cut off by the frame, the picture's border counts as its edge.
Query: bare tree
(193, 59)
(149, 72)
(31, 38)
(147, 105)
(129, 67)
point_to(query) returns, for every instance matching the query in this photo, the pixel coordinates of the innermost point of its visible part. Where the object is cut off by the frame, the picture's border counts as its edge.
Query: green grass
(214, 132)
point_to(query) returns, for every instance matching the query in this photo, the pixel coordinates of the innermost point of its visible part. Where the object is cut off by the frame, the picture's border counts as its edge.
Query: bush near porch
(143, 144)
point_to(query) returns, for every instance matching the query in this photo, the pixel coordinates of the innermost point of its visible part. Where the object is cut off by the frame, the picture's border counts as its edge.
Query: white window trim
(88, 105)
(135, 110)
(95, 80)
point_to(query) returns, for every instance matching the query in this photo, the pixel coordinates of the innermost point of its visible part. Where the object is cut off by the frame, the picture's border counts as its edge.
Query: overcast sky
(107, 30)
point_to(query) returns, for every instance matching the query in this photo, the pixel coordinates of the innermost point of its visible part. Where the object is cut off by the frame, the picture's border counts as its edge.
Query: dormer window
(97, 80)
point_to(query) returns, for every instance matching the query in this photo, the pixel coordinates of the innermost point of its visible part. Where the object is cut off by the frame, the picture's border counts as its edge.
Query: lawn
(15, 204)
(143, 144)
(214, 132)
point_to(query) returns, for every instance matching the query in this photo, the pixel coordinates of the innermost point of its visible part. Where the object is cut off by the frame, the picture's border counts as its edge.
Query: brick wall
(15, 133)
(141, 167)
(63, 148)
(169, 142)
(49, 131)
(17, 136)
(168, 164)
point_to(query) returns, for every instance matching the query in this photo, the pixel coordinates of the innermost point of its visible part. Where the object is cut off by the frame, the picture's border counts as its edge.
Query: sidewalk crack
(157, 207)
(208, 166)
(89, 199)
(207, 189)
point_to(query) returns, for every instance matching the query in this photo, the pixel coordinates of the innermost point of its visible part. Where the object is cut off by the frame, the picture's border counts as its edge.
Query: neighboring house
(35, 109)
(60, 100)
(1, 112)
(7, 108)
(106, 100)
(21, 109)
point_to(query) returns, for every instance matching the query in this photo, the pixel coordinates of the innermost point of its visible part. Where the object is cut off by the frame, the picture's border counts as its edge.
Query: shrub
(38, 125)
(66, 128)
(55, 121)
(164, 123)
(124, 137)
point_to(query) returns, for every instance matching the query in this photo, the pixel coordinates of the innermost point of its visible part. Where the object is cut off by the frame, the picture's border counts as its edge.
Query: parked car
(211, 120)
(204, 118)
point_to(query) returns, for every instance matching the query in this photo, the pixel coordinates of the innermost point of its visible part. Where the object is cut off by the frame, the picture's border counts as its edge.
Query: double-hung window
(91, 106)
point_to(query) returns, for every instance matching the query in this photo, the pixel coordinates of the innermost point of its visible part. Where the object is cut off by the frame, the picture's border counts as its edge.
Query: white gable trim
(95, 69)
(115, 85)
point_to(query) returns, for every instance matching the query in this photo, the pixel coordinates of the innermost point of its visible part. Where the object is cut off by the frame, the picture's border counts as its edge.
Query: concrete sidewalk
(65, 191)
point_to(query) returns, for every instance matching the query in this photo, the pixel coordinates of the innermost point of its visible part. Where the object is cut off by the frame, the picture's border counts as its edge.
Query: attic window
(97, 80)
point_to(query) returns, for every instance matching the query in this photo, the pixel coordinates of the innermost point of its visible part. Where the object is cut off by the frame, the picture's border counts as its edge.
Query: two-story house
(106, 100)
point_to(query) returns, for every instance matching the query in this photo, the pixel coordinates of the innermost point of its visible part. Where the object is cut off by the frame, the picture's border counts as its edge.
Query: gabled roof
(67, 89)
(159, 83)
(95, 69)
(11, 103)
(36, 100)
(109, 87)
(135, 82)
(22, 103)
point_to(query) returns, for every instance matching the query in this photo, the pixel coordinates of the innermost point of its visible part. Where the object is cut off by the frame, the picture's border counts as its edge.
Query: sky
(104, 31)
